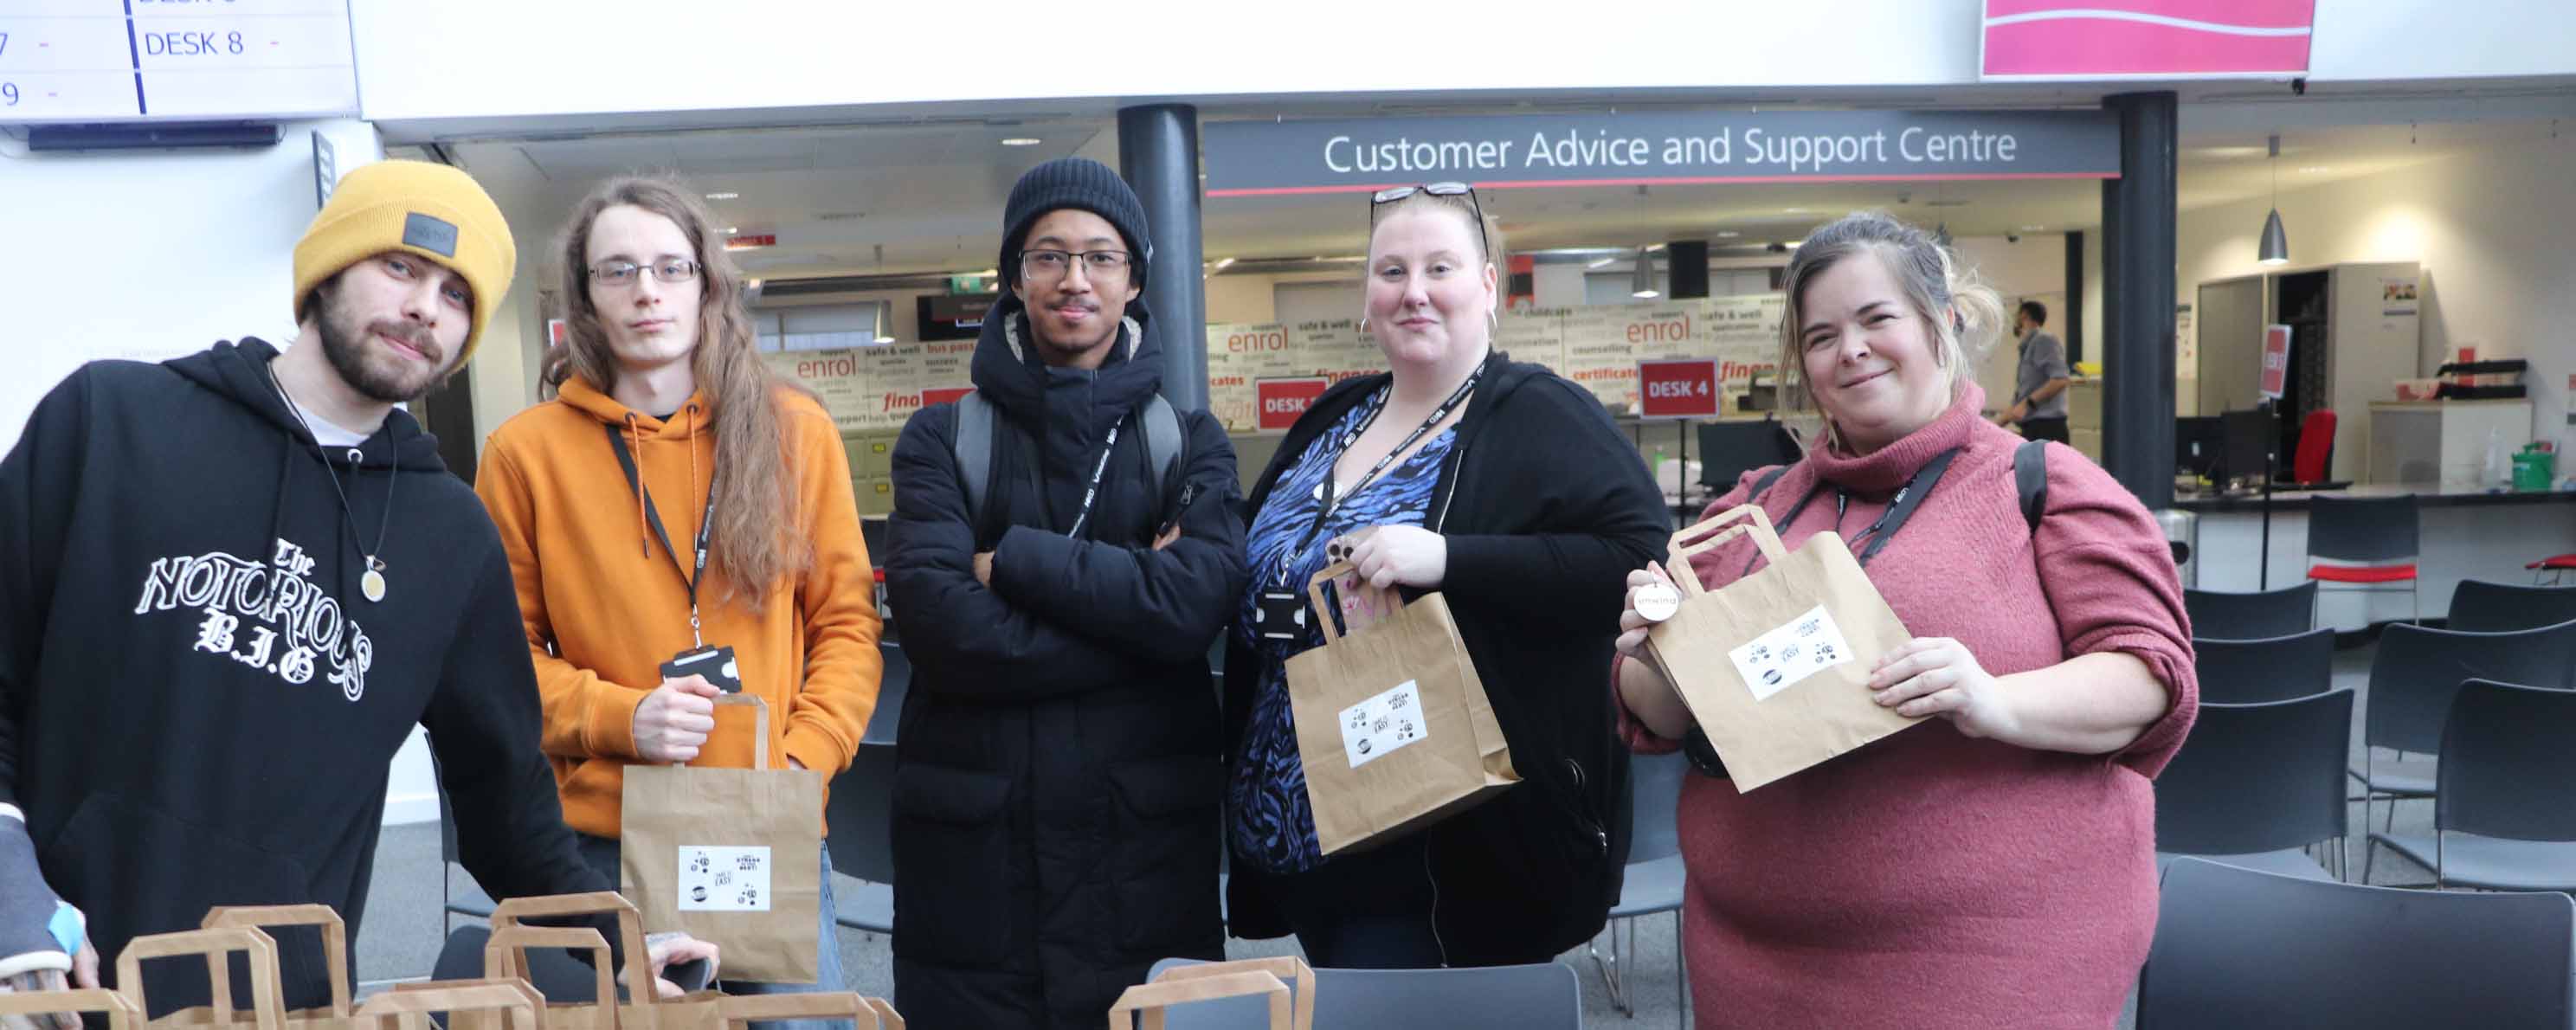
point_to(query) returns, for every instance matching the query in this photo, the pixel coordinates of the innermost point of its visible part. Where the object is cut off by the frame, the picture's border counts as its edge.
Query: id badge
(714, 663)
(1281, 615)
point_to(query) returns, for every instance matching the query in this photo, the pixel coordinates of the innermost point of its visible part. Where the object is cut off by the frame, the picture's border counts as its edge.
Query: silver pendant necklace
(372, 582)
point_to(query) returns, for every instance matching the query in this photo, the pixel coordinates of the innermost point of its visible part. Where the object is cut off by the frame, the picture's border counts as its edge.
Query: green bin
(2534, 469)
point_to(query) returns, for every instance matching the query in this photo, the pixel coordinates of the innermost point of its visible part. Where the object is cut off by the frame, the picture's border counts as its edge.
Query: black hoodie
(197, 704)
(1055, 825)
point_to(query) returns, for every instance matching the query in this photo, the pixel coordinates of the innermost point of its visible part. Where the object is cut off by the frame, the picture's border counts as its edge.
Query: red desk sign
(1679, 388)
(751, 242)
(1282, 400)
(2276, 360)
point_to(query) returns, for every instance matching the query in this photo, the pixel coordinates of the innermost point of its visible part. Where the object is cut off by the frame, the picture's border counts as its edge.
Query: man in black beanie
(1062, 552)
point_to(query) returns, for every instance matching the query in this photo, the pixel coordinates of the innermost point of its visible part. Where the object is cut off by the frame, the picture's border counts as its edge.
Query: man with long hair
(1055, 818)
(231, 584)
(676, 495)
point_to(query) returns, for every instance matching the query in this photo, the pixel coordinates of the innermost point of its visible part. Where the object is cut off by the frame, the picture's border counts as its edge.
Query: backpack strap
(972, 442)
(2030, 479)
(1163, 441)
(1763, 485)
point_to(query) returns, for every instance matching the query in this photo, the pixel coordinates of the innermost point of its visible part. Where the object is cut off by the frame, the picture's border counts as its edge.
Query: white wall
(2492, 230)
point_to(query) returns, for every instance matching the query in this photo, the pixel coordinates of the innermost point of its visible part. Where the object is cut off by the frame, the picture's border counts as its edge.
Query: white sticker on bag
(1373, 728)
(1777, 660)
(723, 879)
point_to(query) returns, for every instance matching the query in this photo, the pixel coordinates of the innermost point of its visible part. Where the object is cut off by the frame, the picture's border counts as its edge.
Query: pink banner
(2176, 38)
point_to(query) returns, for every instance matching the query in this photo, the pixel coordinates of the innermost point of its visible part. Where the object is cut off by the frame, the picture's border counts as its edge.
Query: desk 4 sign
(1679, 388)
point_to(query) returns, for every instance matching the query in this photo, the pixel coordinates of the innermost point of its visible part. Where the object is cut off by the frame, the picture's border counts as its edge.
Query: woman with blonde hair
(677, 496)
(1995, 865)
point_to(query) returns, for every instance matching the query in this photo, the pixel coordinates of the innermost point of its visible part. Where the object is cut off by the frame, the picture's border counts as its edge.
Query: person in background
(1995, 865)
(1056, 806)
(1506, 488)
(677, 495)
(232, 583)
(2039, 379)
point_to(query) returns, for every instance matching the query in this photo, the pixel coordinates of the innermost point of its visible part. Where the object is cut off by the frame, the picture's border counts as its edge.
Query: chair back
(2236, 948)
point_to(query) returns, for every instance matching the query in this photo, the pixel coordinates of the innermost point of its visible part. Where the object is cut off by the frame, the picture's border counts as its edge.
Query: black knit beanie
(1076, 183)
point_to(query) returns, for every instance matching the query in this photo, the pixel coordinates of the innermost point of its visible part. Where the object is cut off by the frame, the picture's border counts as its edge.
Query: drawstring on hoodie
(643, 539)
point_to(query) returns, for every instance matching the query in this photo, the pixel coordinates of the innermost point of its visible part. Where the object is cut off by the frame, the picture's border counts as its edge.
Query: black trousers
(2045, 429)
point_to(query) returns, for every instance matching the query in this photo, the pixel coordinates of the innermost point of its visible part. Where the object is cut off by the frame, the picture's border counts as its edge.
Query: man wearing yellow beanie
(232, 583)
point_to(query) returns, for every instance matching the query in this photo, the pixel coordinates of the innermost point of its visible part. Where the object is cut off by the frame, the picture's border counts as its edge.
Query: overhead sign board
(1259, 158)
(2094, 40)
(192, 60)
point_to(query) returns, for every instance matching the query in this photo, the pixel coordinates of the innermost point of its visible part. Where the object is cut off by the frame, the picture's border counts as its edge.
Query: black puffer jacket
(1545, 510)
(1055, 826)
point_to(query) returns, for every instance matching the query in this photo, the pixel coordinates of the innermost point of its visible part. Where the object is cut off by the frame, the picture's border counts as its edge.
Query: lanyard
(635, 479)
(1099, 468)
(1899, 509)
(1324, 491)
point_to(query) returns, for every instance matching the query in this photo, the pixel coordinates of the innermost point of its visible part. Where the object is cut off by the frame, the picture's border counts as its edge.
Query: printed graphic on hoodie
(268, 617)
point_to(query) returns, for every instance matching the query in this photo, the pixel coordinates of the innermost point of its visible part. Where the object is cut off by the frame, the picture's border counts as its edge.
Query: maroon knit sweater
(1932, 879)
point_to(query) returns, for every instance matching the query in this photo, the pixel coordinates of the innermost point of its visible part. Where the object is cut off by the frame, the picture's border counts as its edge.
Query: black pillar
(2138, 301)
(1686, 268)
(2071, 321)
(1158, 152)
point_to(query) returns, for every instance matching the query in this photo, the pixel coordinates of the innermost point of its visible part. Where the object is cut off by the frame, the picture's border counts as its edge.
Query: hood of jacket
(239, 372)
(1008, 371)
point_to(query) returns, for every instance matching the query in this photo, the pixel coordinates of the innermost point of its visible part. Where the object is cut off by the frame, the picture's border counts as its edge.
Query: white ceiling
(848, 200)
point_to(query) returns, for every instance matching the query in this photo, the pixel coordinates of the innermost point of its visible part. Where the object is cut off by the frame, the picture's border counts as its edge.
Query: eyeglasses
(1392, 194)
(1050, 265)
(622, 273)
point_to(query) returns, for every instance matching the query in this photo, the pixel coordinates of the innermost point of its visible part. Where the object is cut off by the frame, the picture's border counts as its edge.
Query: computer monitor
(1728, 450)
(2196, 445)
(2247, 439)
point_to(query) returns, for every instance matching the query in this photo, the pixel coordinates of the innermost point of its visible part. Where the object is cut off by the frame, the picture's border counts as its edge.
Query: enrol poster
(874, 389)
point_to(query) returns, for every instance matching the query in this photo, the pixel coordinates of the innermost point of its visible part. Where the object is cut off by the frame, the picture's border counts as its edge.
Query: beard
(365, 367)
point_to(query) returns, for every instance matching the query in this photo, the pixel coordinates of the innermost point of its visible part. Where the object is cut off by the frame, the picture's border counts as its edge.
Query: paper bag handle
(452, 999)
(740, 1009)
(216, 946)
(1149, 1000)
(335, 937)
(1755, 523)
(1289, 969)
(505, 956)
(887, 1017)
(630, 932)
(121, 1013)
(759, 726)
(1391, 601)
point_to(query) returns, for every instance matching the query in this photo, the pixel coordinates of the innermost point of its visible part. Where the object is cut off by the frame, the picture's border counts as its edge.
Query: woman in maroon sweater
(1995, 865)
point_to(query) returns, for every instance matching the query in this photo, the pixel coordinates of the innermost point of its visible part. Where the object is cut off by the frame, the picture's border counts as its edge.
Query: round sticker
(1658, 601)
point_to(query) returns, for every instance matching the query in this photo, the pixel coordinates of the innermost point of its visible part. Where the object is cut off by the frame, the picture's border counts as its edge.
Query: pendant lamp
(1641, 284)
(2276, 243)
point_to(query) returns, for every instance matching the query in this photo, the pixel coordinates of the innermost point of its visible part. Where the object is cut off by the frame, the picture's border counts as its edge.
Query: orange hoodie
(596, 584)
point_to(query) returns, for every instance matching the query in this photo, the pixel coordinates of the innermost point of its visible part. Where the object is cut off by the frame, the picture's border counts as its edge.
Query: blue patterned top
(1271, 822)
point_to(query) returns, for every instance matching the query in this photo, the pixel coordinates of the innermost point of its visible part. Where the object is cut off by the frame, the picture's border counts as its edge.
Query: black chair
(468, 900)
(2504, 800)
(1728, 450)
(2236, 672)
(2412, 680)
(2374, 540)
(2217, 615)
(2482, 607)
(859, 827)
(2256, 784)
(891, 690)
(2238, 948)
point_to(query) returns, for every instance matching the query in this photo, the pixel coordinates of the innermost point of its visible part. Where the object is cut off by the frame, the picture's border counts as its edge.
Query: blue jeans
(602, 855)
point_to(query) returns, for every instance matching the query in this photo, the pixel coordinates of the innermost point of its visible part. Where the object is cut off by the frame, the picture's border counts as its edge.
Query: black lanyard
(1899, 509)
(706, 523)
(1098, 468)
(1324, 493)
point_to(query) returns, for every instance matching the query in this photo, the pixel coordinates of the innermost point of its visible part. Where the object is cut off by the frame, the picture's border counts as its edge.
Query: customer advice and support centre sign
(1266, 158)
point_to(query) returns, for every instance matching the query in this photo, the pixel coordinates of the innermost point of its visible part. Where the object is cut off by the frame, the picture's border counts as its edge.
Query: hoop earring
(1363, 325)
(1494, 321)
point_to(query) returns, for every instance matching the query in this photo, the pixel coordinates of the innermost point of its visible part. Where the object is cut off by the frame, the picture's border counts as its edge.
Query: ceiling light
(731, 229)
(1793, 210)
(1641, 283)
(2316, 168)
(1223, 263)
(2276, 242)
(2030, 228)
(1603, 263)
(1728, 234)
(724, 196)
(1022, 141)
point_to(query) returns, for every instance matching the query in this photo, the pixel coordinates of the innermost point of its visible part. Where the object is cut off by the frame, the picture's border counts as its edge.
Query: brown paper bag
(1289, 969)
(732, 856)
(738, 1010)
(216, 946)
(335, 957)
(1145, 1004)
(505, 959)
(470, 1005)
(1775, 666)
(1392, 722)
(121, 1013)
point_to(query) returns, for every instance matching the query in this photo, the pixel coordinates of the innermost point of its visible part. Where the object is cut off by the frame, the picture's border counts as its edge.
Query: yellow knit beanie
(431, 210)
